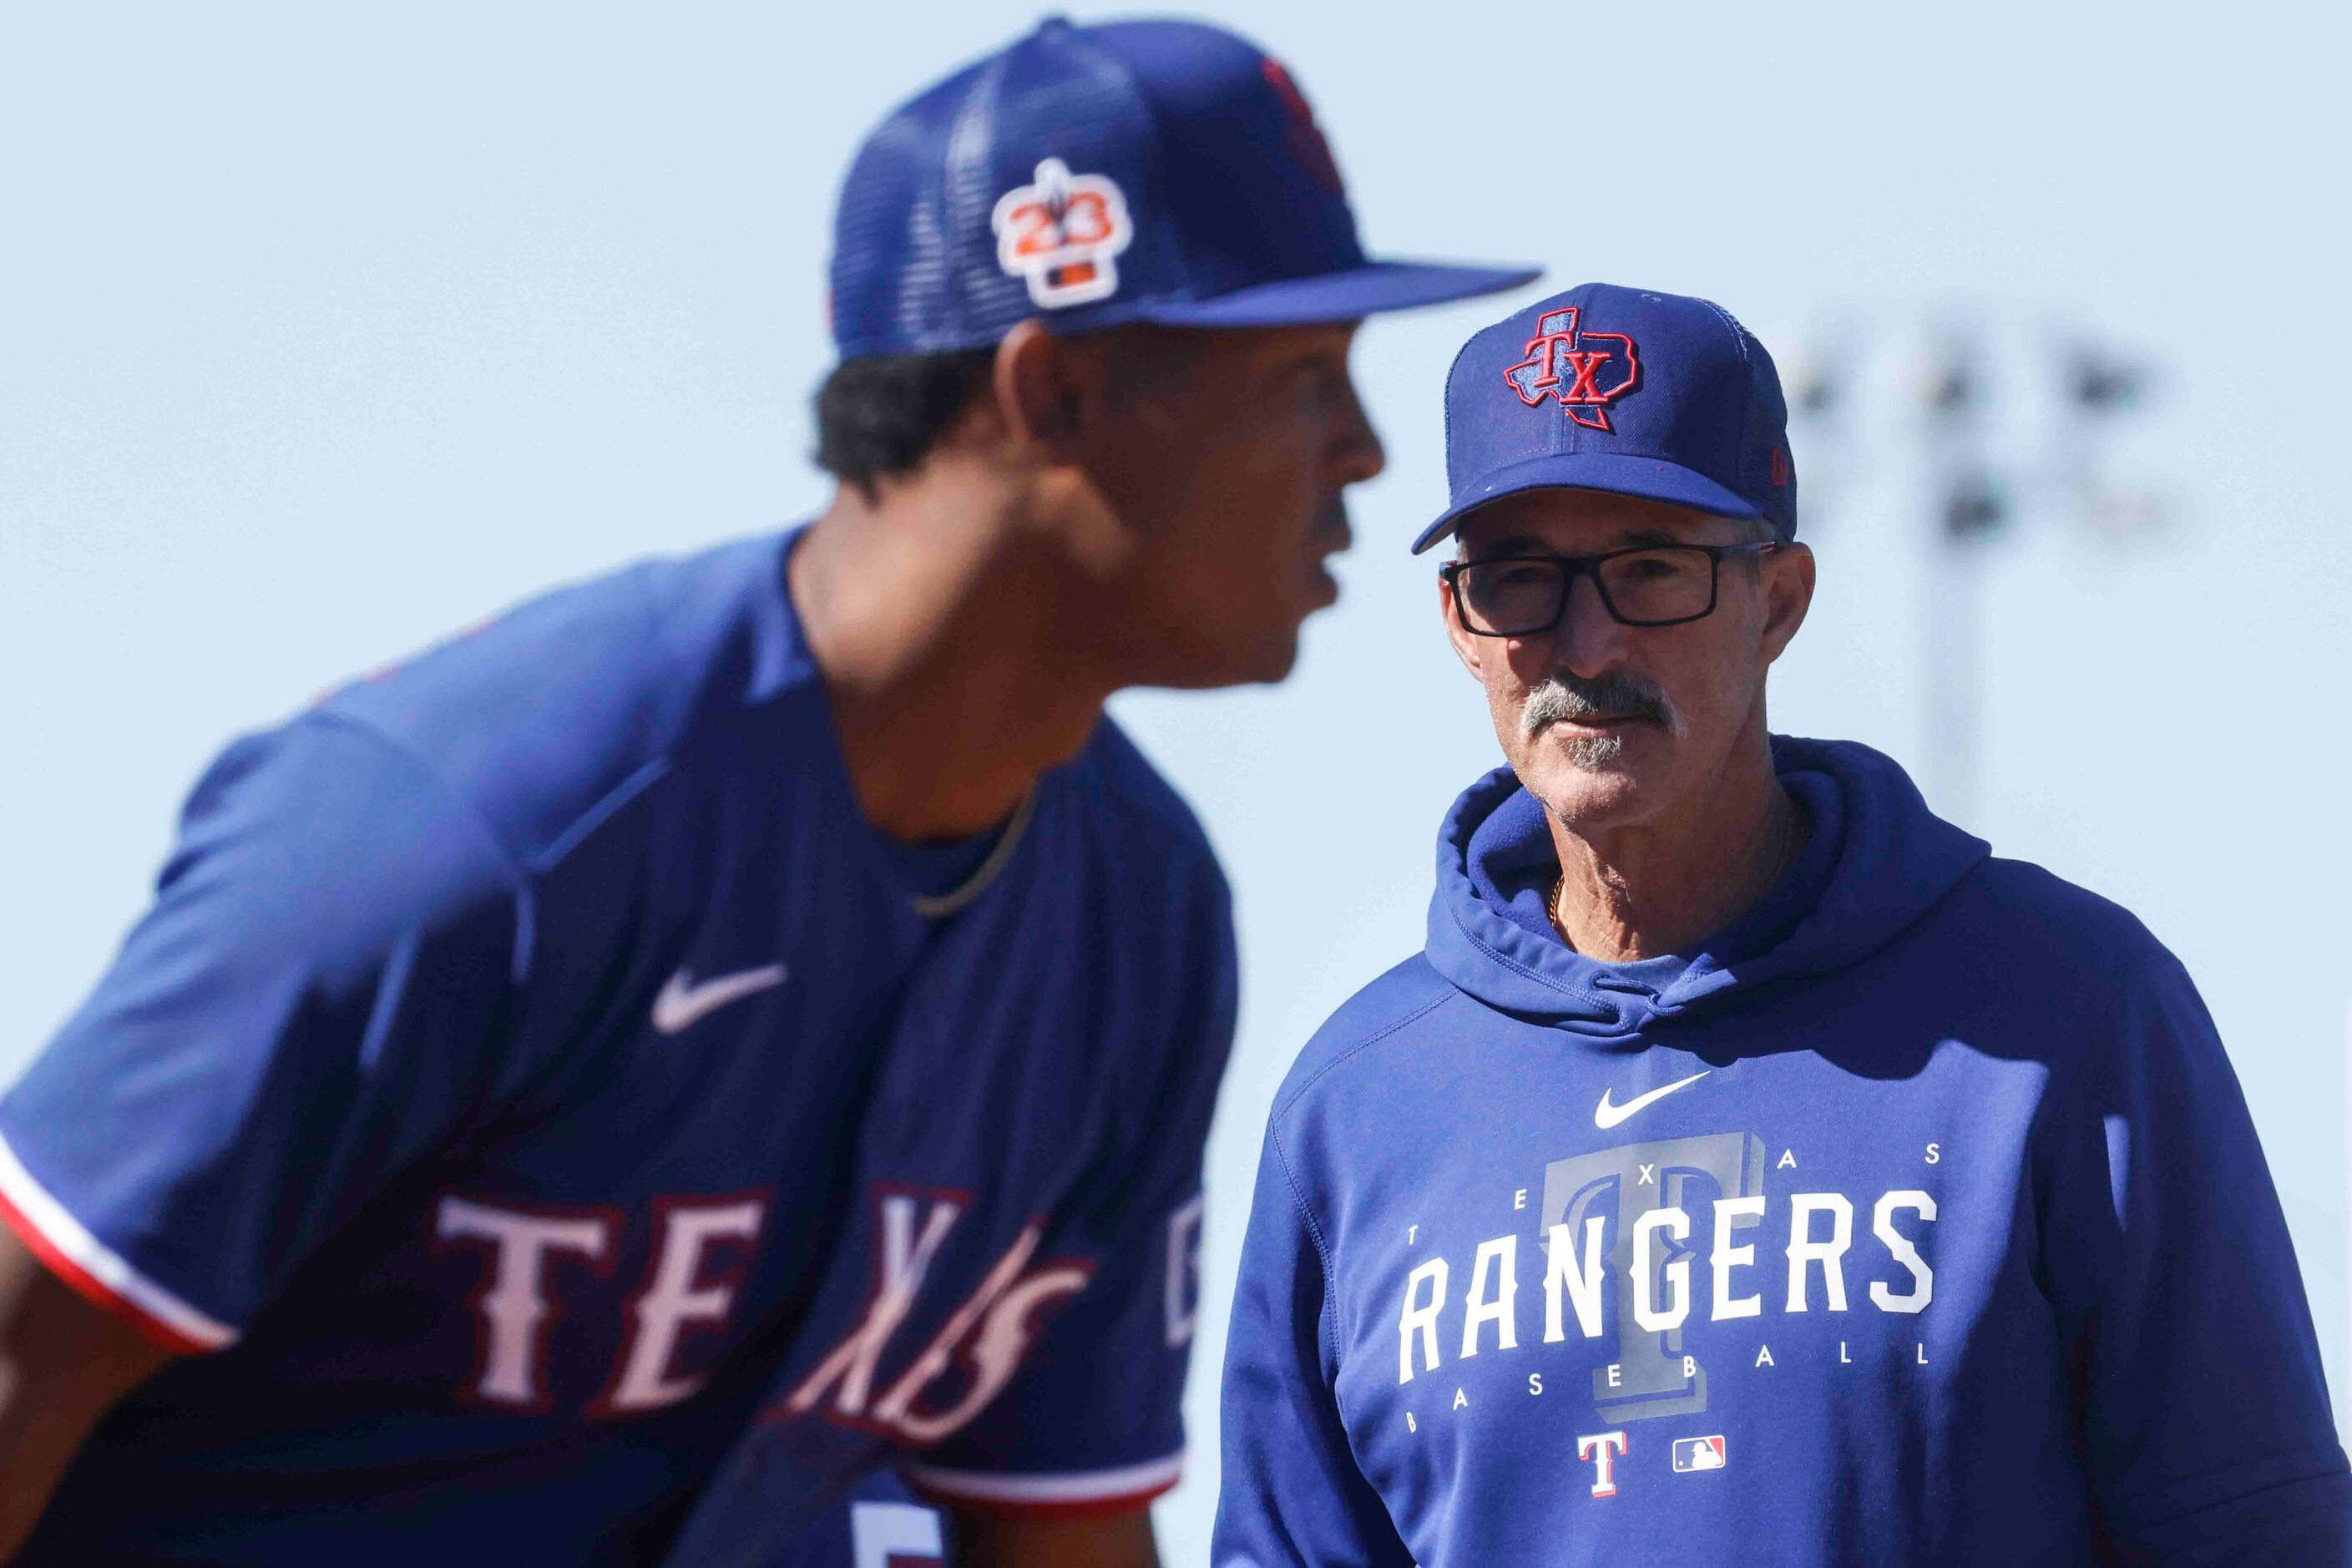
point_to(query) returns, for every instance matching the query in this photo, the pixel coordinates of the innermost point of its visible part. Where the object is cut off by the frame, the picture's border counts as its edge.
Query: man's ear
(1041, 384)
(1788, 593)
(1470, 651)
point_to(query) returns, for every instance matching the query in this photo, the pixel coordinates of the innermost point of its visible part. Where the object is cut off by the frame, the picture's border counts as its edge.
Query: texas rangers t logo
(1061, 234)
(1584, 372)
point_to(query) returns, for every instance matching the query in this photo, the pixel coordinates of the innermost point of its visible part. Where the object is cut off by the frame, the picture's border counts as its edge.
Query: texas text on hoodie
(1917, 1219)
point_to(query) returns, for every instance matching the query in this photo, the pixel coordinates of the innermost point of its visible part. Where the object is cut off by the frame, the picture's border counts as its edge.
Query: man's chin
(1592, 753)
(1266, 663)
(1585, 776)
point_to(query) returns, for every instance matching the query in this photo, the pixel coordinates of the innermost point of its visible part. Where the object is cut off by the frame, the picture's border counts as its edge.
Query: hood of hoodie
(1887, 859)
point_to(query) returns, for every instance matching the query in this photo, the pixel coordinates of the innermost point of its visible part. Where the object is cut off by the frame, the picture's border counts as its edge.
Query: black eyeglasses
(1646, 585)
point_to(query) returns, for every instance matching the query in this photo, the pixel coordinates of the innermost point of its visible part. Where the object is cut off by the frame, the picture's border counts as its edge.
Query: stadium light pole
(1966, 498)
(1966, 511)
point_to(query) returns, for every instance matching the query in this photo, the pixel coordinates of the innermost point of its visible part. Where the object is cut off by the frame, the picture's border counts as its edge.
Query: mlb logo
(1697, 1454)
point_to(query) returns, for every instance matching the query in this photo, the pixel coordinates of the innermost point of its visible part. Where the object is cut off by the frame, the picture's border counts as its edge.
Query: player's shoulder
(2067, 976)
(539, 716)
(287, 827)
(1362, 1041)
(2032, 923)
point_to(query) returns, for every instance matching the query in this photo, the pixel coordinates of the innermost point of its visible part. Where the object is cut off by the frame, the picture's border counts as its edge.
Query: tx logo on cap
(1585, 372)
(1061, 234)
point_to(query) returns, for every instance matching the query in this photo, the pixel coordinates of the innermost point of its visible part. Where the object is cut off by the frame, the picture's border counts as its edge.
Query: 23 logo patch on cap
(1062, 233)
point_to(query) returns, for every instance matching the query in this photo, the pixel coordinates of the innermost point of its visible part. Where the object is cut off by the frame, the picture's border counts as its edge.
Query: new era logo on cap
(1627, 390)
(1165, 172)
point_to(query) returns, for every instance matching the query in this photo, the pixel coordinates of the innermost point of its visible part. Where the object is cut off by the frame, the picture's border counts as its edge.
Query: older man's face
(1612, 725)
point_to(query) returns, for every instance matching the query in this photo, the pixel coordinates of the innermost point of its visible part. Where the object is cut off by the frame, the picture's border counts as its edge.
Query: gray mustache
(1566, 695)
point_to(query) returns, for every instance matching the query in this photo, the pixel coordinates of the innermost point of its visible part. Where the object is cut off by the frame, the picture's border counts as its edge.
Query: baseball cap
(1603, 388)
(1139, 171)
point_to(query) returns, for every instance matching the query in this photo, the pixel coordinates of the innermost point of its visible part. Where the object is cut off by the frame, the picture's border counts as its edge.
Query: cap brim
(1347, 296)
(1621, 473)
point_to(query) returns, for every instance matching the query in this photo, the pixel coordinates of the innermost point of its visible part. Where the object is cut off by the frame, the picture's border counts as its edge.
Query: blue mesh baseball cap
(1605, 388)
(1147, 171)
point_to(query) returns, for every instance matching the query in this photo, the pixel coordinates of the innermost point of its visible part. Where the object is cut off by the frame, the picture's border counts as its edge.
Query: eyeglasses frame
(1577, 566)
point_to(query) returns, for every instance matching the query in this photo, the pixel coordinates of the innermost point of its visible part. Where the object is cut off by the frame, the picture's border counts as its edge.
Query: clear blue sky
(324, 330)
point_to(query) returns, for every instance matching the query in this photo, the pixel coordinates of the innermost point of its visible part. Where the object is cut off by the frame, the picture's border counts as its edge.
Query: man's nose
(1357, 454)
(1588, 639)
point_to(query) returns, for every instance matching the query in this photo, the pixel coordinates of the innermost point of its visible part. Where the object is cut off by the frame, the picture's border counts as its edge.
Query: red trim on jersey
(1079, 1494)
(91, 1288)
(1008, 1507)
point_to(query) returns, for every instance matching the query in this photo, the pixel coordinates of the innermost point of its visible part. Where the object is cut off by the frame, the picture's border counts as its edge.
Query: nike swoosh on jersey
(1605, 1115)
(682, 1003)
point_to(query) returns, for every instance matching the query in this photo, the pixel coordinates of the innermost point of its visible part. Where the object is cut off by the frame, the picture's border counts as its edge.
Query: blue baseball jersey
(878, 1523)
(1918, 1218)
(550, 1105)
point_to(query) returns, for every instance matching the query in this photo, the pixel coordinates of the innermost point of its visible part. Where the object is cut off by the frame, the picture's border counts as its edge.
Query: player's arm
(1000, 1541)
(2204, 1414)
(297, 1015)
(63, 1364)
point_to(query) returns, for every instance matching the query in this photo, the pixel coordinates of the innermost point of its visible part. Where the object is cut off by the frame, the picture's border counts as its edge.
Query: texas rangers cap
(1605, 388)
(1144, 170)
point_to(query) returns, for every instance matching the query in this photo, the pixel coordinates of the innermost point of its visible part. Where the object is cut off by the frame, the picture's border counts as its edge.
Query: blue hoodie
(1915, 1218)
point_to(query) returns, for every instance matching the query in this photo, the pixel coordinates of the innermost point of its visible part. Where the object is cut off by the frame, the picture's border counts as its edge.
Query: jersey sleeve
(303, 1010)
(1092, 1424)
(2205, 1416)
(1291, 1493)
